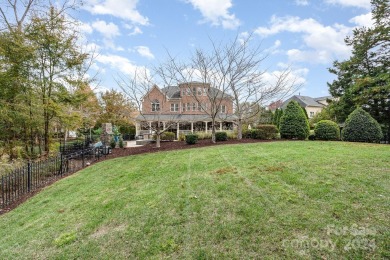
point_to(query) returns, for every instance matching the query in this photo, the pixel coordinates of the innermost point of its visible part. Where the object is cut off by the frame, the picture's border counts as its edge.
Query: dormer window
(155, 105)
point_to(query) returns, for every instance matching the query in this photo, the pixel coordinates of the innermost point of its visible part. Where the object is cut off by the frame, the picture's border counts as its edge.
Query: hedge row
(166, 136)
(264, 132)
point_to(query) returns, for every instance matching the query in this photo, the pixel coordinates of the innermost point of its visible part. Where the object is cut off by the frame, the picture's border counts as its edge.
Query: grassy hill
(280, 199)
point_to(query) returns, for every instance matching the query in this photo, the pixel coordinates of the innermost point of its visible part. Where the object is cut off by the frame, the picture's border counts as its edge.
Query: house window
(204, 91)
(194, 91)
(311, 114)
(184, 108)
(174, 107)
(156, 106)
(223, 109)
(199, 91)
(199, 107)
(193, 106)
(188, 106)
(188, 92)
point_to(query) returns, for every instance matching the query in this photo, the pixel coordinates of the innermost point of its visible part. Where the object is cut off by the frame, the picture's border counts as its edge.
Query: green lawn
(264, 200)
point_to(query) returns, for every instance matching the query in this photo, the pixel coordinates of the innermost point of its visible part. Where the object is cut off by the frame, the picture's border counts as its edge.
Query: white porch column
(220, 126)
(137, 128)
(150, 127)
(178, 130)
(163, 126)
(206, 126)
(192, 127)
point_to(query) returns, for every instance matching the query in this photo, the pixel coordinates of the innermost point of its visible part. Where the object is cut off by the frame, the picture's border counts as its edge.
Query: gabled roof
(154, 86)
(304, 101)
(171, 91)
(323, 98)
(174, 92)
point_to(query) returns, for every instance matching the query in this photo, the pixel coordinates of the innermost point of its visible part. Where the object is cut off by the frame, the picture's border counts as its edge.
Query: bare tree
(154, 108)
(234, 72)
(14, 14)
(208, 69)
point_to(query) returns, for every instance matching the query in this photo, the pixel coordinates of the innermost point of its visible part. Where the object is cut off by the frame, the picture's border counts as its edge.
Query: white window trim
(174, 107)
(223, 109)
(154, 106)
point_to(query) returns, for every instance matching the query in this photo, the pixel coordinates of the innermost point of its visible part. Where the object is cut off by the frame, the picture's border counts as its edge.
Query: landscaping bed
(175, 145)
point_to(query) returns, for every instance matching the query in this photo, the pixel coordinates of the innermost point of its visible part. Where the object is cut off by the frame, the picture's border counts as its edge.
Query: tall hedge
(276, 118)
(327, 130)
(293, 123)
(360, 126)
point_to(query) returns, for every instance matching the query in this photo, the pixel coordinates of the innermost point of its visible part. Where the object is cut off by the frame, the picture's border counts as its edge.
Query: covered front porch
(184, 125)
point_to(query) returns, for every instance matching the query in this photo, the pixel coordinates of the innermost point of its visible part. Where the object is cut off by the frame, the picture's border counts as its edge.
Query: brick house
(183, 109)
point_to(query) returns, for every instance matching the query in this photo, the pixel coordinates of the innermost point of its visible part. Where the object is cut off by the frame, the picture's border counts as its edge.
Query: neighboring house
(311, 105)
(275, 105)
(176, 108)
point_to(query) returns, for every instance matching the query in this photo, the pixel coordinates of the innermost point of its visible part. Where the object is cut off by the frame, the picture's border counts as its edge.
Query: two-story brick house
(184, 108)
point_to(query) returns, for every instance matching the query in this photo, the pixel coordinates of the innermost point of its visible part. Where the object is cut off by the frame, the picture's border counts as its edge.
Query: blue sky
(307, 35)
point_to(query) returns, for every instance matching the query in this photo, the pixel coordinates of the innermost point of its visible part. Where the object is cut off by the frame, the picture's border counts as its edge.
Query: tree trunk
(158, 137)
(213, 139)
(239, 129)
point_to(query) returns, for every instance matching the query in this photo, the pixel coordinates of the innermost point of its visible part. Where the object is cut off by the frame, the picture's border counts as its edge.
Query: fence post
(28, 176)
(82, 156)
(2, 190)
(61, 164)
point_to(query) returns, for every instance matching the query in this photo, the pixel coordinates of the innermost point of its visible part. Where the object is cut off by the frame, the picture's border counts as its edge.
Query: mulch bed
(148, 148)
(176, 145)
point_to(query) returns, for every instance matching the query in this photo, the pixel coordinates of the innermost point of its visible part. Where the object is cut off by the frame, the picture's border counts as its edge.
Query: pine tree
(364, 79)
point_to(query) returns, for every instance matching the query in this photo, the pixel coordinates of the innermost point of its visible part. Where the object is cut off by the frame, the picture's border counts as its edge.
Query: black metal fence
(34, 175)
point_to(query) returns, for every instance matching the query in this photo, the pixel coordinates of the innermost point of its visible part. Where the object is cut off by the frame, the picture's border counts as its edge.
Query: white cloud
(135, 29)
(274, 49)
(217, 12)
(108, 30)
(277, 44)
(242, 37)
(325, 43)
(144, 51)
(363, 20)
(124, 9)
(302, 2)
(110, 44)
(295, 77)
(91, 47)
(119, 63)
(351, 3)
(85, 28)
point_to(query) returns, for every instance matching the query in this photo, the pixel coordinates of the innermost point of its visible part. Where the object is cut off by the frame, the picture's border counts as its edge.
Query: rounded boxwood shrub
(294, 124)
(360, 126)
(327, 130)
(191, 139)
(221, 136)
